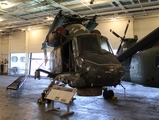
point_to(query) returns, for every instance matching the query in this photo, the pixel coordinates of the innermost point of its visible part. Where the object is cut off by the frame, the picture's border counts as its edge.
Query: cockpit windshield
(93, 43)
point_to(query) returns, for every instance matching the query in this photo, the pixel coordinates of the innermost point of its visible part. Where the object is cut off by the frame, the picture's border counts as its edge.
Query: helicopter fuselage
(82, 57)
(85, 59)
(143, 68)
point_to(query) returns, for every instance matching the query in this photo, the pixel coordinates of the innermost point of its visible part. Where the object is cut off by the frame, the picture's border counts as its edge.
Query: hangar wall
(4, 46)
(4, 50)
(35, 38)
(17, 42)
(143, 26)
(31, 41)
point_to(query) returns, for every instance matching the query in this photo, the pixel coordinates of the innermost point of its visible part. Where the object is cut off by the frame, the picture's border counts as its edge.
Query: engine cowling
(56, 37)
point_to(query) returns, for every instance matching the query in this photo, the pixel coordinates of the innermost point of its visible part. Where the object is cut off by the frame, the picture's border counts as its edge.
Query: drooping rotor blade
(119, 47)
(126, 30)
(114, 33)
(44, 45)
(58, 21)
(92, 24)
(45, 56)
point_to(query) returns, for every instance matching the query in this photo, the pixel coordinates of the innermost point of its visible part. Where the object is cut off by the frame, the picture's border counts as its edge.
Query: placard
(61, 94)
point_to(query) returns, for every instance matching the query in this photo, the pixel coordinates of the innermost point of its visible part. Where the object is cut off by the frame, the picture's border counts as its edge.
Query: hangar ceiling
(21, 14)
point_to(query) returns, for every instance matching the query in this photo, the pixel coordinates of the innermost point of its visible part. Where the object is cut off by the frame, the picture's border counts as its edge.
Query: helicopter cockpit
(91, 43)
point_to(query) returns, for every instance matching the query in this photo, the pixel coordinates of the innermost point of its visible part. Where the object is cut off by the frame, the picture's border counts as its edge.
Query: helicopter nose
(110, 70)
(107, 75)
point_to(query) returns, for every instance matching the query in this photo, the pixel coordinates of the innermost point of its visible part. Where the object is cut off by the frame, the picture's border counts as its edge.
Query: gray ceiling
(20, 14)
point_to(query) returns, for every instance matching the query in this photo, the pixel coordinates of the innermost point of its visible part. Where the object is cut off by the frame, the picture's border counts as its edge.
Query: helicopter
(81, 58)
(140, 59)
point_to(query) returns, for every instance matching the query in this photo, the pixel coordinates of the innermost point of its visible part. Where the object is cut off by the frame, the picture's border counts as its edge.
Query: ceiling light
(1, 19)
(29, 28)
(49, 18)
(113, 19)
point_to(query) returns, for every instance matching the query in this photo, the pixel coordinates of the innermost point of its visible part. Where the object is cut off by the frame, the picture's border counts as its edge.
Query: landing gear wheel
(111, 93)
(106, 94)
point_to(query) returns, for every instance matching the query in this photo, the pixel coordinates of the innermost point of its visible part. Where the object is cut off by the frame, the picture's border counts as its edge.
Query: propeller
(122, 38)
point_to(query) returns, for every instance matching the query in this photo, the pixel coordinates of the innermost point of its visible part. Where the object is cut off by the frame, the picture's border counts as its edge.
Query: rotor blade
(58, 21)
(92, 24)
(44, 45)
(119, 47)
(45, 56)
(126, 29)
(114, 33)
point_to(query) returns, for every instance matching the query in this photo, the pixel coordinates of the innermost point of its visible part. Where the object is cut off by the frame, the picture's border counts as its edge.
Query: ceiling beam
(142, 7)
(119, 4)
(112, 4)
(61, 6)
(121, 11)
(132, 1)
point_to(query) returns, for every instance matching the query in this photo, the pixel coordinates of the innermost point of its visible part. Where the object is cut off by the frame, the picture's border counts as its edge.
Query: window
(17, 64)
(37, 60)
(157, 61)
(105, 44)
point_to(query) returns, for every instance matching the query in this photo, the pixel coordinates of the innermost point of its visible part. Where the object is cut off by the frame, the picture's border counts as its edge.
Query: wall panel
(4, 45)
(17, 42)
(144, 26)
(35, 39)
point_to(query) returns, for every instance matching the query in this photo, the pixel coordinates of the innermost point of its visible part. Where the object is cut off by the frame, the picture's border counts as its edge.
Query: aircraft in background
(140, 59)
(82, 57)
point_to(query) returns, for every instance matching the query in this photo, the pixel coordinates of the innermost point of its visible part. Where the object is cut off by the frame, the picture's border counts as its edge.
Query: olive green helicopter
(81, 58)
(140, 58)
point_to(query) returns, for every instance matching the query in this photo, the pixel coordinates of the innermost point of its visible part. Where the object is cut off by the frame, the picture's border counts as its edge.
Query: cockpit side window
(105, 45)
(157, 61)
(88, 43)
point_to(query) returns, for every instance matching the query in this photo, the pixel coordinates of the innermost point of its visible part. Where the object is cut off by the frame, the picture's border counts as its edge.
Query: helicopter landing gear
(108, 94)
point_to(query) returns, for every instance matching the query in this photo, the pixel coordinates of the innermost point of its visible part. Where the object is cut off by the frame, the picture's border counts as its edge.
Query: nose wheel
(108, 94)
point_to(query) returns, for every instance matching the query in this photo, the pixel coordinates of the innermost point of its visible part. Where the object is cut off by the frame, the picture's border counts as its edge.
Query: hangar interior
(24, 24)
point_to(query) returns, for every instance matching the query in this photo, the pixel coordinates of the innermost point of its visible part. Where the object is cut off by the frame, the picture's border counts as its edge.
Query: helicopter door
(71, 59)
(65, 57)
(57, 61)
(68, 58)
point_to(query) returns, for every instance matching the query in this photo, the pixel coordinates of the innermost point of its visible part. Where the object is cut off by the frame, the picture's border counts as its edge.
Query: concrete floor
(140, 103)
